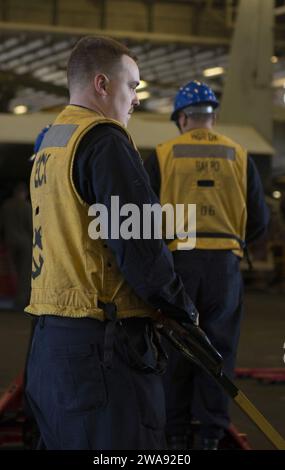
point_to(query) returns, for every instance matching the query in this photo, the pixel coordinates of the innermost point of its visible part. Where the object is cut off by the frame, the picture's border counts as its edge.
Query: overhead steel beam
(26, 80)
(103, 14)
(229, 13)
(103, 11)
(54, 16)
(149, 12)
(4, 10)
(159, 38)
(156, 38)
(215, 3)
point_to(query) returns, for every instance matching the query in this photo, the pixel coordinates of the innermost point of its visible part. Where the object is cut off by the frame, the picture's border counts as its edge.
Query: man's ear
(101, 83)
(182, 121)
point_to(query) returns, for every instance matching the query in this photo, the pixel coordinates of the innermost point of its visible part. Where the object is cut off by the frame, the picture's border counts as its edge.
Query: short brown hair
(91, 55)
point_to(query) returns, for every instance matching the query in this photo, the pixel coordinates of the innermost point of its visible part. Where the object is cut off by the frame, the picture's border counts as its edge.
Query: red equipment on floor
(267, 375)
(12, 418)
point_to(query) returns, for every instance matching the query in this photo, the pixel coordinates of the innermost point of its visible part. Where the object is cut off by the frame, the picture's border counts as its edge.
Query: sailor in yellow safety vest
(211, 171)
(93, 378)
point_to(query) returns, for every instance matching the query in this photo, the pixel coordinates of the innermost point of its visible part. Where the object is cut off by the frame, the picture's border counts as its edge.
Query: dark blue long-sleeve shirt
(105, 165)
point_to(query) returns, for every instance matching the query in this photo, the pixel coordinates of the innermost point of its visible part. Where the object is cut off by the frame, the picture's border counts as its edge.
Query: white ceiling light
(20, 109)
(57, 74)
(276, 194)
(213, 71)
(279, 82)
(143, 84)
(143, 95)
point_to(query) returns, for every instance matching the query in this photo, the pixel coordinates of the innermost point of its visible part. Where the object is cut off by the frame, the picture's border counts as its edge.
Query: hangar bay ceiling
(175, 41)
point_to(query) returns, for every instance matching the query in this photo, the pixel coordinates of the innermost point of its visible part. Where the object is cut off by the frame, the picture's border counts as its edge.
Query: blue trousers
(213, 281)
(81, 403)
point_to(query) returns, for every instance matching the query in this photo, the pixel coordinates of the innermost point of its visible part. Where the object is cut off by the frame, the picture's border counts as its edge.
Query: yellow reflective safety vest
(71, 272)
(205, 168)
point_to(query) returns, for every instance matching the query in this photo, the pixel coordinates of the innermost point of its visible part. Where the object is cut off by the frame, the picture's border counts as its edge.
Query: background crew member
(205, 168)
(92, 381)
(16, 224)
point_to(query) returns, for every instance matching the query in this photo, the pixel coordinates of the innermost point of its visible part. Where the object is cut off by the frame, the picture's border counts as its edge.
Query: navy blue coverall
(213, 280)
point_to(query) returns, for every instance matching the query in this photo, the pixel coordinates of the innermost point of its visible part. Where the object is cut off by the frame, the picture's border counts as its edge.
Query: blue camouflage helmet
(193, 94)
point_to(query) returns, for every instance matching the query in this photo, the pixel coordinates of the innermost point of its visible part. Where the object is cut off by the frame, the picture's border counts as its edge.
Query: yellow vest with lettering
(205, 168)
(70, 271)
